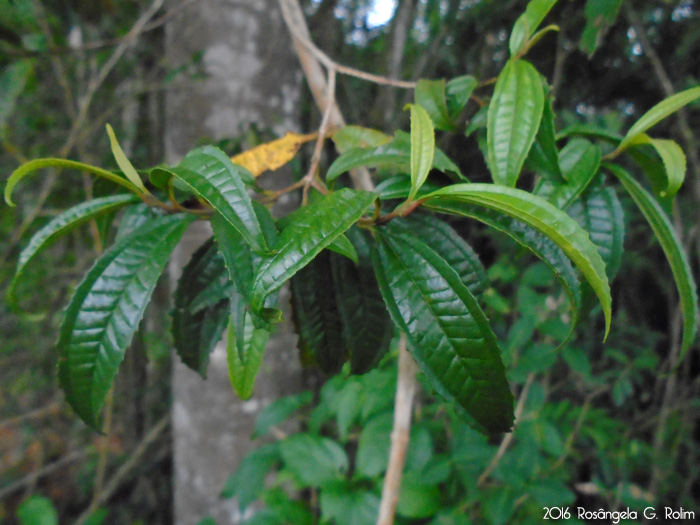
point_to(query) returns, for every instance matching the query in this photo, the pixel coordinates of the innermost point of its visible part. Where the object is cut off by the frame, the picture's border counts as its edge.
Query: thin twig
(119, 477)
(508, 438)
(405, 390)
(48, 410)
(103, 449)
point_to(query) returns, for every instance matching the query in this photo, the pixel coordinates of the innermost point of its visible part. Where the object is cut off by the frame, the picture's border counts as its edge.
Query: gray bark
(251, 77)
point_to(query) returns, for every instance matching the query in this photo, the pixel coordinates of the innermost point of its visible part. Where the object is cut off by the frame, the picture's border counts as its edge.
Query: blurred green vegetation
(602, 425)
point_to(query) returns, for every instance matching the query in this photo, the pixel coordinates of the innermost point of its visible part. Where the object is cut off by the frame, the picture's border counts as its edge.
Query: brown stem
(405, 390)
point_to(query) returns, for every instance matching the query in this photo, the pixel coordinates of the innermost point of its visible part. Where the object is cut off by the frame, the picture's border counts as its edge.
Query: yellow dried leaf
(272, 155)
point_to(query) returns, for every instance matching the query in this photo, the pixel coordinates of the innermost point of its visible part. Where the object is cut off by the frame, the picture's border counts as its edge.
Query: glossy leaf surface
(60, 226)
(659, 112)
(672, 247)
(527, 24)
(344, 247)
(422, 147)
(458, 91)
(514, 117)
(448, 334)
(106, 309)
(309, 230)
(673, 159)
(349, 137)
(123, 162)
(245, 349)
(198, 324)
(544, 157)
(431, 96)
(548, 220)
(210, 174)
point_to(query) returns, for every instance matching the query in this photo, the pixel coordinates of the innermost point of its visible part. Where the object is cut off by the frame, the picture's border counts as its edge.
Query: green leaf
(672, 247)
(38, 164)
(659, 112)
(599, 212)
(248, 482)
(600, 15)
(673, 158)
(346, 504)
(349, 137)
(544, 157)
(210, 174)
(579, 161)
(526, 25)
(422, 147)
(313, 460)
(399, 186)
(450, 246)
(431, 95)
(309, 230)
(134, 217)
(395, 156)
(60, 226)
(418, 499)
(366, 326)
(448, 334)
(316, 316)
(37, 510)
(123, 162)
(526, 236)
(245, 349)
(344, 247)
(197, 328)
(373, 446)
(106, 309)
(590, 130)
(514, 117)
(548, 220)
(279, 411)
(458, 91)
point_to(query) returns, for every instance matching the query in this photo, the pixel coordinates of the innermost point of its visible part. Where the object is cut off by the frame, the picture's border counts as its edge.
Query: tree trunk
(251, 77)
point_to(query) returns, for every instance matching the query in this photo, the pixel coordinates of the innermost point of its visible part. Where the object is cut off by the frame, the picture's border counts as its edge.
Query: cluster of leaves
(428, 277)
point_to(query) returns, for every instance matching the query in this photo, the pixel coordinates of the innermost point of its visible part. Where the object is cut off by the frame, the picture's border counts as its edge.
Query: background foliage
(600, 426)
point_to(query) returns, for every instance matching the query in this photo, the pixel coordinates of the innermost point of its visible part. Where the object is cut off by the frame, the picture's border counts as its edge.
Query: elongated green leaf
(123, 162)
(210, 174)
(529, 238)
(198, 319)
(673, 158)
(458, 91)
(600, 15)
(343, 246)
(349, 137)
(514, 117)
(422, 147)
(589, 130)
(544, 157)
(448, 245)
(38, 164)
(106, 309)
(316, 316)
(599, 212)
(60, 226)
(579, 161)
(310, 229)
(431, 95)
(548, 220)
(527, 24)
(666, 235)
(399, 186)
(245, 349)
(448, 334)
(394, 156)
(659, 112)
(366, 326)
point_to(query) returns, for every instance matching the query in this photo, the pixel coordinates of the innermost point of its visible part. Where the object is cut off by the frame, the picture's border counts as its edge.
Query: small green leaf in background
(526, 24)
(418, 499)
(422, 147)
(544, 157)
(123, 162)
(245, 349)
(431, 95)
(37, 510)
(514, 117)
(346, 504)
(61, 225)
(106, 309)
(673, 158)
(458, 92)
(349, 137)
(672, 247)
(600, 15)
(659, 112)
(313, 460)
(373, 446)
(279, 411)
(310, 229)
(344, 247)
(248, 482)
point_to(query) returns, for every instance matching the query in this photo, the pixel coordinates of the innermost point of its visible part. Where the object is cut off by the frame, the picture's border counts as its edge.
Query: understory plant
(366, 265)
